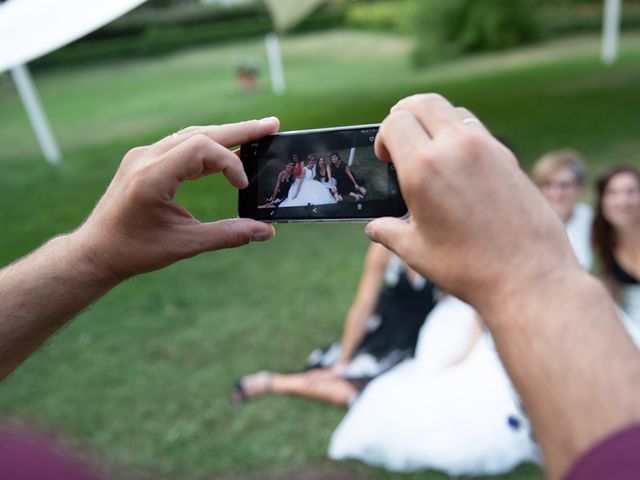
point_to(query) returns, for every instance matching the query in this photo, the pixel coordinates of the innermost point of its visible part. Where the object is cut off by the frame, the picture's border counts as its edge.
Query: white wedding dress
(462, 420)
(311, 192)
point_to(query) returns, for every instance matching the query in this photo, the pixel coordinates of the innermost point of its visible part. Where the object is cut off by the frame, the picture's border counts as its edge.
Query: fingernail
(262, 235)
(267, 120)
(369, 232)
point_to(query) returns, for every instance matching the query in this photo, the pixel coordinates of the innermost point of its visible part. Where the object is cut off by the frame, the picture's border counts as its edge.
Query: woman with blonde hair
(560, 175)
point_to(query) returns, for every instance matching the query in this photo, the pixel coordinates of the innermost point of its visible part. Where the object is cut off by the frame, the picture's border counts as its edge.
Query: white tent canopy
(287, 14)
(32, 28)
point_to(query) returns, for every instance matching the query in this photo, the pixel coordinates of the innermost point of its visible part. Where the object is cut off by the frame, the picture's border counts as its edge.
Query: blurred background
(142, 378)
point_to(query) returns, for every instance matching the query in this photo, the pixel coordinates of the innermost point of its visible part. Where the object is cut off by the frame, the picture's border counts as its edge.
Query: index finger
(193, 158)
(435, 113)
(401, 140)
(227, 135)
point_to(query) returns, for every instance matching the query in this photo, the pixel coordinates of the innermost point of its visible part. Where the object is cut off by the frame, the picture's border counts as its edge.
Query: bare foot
(251, 386)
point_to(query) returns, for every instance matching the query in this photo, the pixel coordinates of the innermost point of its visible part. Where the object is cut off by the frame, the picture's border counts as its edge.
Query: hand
(479, 228)
(138, 227)
(339, 368)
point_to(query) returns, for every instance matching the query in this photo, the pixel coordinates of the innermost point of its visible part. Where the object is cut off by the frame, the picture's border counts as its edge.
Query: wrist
(524, 300)
(88, 260)
(339, 368)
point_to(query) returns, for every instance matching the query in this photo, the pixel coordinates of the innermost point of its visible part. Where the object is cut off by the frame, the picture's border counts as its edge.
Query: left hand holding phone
(137, 226)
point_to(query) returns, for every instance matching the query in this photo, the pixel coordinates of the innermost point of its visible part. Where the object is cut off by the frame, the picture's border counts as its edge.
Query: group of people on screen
(316, 182)
(419, 373)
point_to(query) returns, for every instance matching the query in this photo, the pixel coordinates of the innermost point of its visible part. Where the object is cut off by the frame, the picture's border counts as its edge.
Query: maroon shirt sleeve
(29, 456)
(617, 457)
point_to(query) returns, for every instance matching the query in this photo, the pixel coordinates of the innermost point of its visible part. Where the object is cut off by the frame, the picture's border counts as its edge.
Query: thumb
(392, 233)
(231, 233)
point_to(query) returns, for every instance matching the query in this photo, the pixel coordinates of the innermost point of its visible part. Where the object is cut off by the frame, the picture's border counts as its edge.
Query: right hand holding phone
(478, 228)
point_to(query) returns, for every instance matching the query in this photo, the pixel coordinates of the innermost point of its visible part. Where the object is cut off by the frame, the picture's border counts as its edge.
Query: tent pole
(611, 30)
(275, 63)
(29, 96)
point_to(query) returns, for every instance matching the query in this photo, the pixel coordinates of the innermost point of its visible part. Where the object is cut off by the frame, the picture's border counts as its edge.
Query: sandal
(251, 386)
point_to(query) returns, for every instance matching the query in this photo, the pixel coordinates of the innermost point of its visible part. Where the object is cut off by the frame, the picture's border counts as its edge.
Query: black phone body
(329, 174)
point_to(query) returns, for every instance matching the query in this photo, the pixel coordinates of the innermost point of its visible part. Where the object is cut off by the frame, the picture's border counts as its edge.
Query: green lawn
(143, 376)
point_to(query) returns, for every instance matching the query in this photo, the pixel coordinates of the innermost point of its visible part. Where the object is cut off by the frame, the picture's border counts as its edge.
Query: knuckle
(187, 130)
(138, 180)
(425, 157)
(464, 112)
(430, 99)
(236, 237)
(200, 144)
(246, 130)
(413, 183)
(396, 115)
(134, 154)
(427, 161)
(421, 100)
(469, 142)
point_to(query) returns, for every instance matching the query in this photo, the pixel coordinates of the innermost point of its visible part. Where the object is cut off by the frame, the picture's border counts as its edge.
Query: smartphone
(329, 174)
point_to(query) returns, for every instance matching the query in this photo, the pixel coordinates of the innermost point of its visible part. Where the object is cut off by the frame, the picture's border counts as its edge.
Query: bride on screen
(305, 190)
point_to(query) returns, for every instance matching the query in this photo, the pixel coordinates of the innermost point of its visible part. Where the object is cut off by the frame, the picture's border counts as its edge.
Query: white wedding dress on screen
(425, 414)
(311, 192)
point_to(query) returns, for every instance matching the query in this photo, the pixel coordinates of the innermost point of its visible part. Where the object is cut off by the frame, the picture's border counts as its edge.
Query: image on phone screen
(329, 174)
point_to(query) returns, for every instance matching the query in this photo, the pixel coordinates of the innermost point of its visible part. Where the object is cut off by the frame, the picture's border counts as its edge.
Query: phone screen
(314, 175)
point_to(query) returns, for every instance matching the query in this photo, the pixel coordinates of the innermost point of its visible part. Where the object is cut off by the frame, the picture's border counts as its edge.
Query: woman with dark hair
(281, 190)
(380, 330)
(323, 175)
(616, 236)
(346, 183)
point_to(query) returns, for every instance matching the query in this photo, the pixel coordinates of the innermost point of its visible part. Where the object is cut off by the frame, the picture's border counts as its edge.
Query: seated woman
(346, 183)
(323, 175)
(281, 190)
(560, 175)
(616, 236)
(381, 329)
(450, 408)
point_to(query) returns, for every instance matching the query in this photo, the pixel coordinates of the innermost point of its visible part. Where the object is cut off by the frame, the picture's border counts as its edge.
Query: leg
(316, 384)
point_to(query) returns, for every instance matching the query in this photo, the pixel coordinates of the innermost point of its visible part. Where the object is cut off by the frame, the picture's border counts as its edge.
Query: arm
(136, 227)
(365, 301)
(277, 189)
(350, 175)
(501, 248)
(299, 184)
